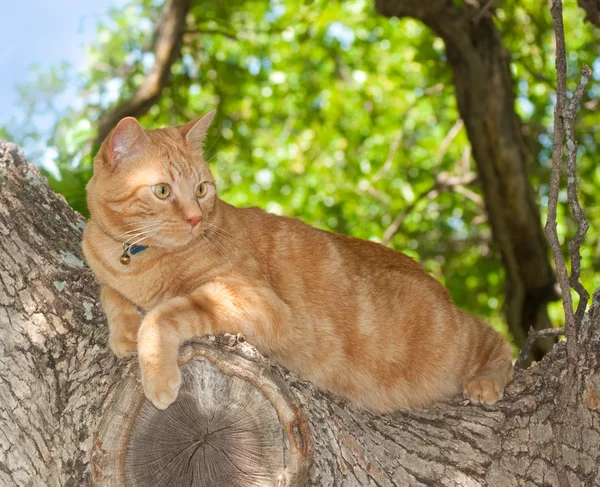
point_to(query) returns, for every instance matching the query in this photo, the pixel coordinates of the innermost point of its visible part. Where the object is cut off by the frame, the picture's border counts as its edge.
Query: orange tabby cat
(351, 316)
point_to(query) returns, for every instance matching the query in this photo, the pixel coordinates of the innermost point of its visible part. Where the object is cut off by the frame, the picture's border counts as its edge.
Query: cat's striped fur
(352, 316)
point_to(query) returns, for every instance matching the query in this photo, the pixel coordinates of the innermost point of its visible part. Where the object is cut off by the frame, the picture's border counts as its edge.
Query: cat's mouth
(184, 235)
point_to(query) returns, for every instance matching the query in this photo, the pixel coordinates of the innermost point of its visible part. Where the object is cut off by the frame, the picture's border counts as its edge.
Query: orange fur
(351, 316)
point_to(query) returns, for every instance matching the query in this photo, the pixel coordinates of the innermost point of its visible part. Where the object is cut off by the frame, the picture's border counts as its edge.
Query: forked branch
(564, 119)
(582, 224)
(531, 338)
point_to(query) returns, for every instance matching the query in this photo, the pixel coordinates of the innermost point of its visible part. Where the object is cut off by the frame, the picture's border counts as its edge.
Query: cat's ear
(194, 132)
(127, 139)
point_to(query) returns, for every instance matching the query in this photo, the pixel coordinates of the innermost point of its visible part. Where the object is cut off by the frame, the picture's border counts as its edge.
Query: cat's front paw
(161, 377)
(161, 382)
(123, 333)
(481, 390)
(121, 345)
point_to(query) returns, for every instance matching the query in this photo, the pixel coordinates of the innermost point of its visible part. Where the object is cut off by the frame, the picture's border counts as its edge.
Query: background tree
(333, 113)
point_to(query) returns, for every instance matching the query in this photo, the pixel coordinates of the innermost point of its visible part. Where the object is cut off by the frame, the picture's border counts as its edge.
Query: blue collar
(134, 249)
(128, 251)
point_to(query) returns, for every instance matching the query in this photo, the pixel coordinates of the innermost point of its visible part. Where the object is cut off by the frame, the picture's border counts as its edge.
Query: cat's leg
(123, 322)
(494, 367)
(219, 306)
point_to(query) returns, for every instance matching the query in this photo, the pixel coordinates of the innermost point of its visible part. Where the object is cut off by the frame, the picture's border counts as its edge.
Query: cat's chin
(179, 243)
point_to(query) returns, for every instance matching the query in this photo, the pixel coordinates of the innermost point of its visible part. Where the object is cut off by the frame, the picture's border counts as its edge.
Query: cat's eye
(162, 190)
(201, 190)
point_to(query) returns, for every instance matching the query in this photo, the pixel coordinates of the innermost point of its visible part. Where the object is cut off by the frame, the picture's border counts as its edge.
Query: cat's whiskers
(139, 229)
(217, 229)
(128, 236)
(132, 238)
(219, 247)
(223, 234)
(143, 235)
(139, 239)
(137, 223)
(128, 239)
(212, 145)
(214, 155)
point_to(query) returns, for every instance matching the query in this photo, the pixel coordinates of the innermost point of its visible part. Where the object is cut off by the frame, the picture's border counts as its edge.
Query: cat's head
(153, 187)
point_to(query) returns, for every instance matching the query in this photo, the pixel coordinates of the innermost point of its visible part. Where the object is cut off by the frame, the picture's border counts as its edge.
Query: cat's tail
(489, 365)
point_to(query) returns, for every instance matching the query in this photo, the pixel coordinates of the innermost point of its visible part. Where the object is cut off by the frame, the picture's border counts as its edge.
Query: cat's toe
(481, 390)
(131, 335)
(121, 346)
(161, 384)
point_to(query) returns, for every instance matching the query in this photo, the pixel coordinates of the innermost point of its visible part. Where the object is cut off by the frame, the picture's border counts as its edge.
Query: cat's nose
(194, 220)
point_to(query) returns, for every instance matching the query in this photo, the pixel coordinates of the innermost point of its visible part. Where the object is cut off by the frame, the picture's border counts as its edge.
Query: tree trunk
(71, 414)
(485, 98)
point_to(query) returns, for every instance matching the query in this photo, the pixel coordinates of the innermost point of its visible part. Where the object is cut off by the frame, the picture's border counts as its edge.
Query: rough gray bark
(61, 390)
(54, 371)
(486, 102)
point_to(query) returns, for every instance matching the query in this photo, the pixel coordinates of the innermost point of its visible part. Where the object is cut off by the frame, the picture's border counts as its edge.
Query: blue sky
(43, 32)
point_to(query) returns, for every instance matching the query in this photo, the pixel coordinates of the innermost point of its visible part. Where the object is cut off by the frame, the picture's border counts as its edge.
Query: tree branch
(221, 32)
(390, 231)
(483, 11)
(582, 224)
(562, 117)
(450, 136)
(444, 182)
(169, 32)
(397, 142)
(557, 146)
(592, 10)
(531, 338)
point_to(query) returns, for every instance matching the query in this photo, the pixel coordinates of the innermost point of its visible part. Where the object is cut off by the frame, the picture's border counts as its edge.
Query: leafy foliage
(331, 113)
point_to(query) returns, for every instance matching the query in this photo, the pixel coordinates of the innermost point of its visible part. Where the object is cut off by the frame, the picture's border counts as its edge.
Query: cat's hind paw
(161, 382)
(482, 390)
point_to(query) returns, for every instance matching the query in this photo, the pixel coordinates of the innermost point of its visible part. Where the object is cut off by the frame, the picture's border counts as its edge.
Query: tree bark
(73, 415)
(485, 98)
(592, 10)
